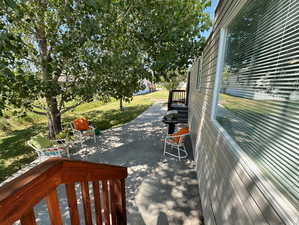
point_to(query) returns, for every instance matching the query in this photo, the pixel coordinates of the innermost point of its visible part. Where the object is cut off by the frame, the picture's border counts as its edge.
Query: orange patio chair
(176, 142)
(82, 128)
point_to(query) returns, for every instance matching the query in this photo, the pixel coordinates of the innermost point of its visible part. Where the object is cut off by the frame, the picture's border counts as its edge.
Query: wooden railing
(175, 97)
(18, 197)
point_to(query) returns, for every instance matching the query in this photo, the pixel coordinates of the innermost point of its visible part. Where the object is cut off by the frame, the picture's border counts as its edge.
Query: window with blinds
(258, 102)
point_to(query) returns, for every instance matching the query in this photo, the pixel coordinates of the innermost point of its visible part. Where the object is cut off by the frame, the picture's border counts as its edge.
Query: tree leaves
(78, 48)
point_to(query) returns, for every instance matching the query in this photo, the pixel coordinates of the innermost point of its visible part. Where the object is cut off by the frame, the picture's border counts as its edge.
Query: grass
(15, 131)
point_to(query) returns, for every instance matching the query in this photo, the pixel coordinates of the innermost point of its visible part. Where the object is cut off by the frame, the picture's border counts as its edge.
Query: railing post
(28, 218)
(106, 202)
(118, 202)
(86, 202)
(53, 208)
(123, 201)
(72, 202)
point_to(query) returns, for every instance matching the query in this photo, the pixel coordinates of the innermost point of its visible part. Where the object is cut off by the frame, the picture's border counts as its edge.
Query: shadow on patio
(158, 190)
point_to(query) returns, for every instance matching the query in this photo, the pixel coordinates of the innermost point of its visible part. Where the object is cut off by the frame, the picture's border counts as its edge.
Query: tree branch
(61, 104)
(71, 107)
(37, 112)
(128, 9)
(31, 60)
(40, 107)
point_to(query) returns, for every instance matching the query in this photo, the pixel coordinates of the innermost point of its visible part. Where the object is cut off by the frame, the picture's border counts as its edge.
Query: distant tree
(174, 79)
(125, 75)
(122, 64)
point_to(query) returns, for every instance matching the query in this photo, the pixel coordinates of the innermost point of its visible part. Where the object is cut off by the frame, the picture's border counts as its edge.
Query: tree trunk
(121, 107)
(54, 118)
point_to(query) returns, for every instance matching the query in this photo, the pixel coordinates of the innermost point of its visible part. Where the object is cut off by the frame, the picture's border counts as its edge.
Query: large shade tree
(48, 62)
(55, 52)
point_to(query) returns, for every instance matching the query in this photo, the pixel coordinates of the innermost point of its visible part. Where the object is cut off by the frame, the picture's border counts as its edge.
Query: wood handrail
(178, 90)
(18, 197)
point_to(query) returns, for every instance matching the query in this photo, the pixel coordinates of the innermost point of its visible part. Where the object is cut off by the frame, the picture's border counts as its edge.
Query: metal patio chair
(176, 145)
(80, 134)
(59, 148)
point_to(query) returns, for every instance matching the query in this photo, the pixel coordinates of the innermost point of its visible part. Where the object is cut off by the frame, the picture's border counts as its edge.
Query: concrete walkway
(159, 191)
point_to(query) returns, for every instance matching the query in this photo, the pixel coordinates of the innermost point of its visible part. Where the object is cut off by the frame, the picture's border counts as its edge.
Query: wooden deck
(19, 197)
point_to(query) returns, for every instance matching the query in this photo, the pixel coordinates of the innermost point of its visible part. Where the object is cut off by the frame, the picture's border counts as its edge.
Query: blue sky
(211, 10)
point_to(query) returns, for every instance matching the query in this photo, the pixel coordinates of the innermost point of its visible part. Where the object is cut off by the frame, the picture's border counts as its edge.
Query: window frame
(285, 209)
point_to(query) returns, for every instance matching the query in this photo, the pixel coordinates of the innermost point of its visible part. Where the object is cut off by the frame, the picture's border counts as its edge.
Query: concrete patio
(159, 190)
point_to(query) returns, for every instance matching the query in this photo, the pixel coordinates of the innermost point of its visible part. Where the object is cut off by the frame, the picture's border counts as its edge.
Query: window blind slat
(259, 100)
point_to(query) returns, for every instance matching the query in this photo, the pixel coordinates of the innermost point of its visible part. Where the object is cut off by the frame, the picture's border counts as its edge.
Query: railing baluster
(114, 201)
(28, 218)
(19, 197)
(72, 202)
(97, 202)
(53, 208)
(118, 207)
(123, 198)
(86, 203)
(106, 202)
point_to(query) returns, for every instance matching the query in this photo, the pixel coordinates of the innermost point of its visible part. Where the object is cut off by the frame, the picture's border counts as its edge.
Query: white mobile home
(243, 113)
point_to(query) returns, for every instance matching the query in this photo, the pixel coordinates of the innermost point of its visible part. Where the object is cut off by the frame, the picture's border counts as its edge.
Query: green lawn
(15, 131)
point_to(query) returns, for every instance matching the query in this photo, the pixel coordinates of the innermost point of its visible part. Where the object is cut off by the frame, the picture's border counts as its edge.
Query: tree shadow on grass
(14, 153)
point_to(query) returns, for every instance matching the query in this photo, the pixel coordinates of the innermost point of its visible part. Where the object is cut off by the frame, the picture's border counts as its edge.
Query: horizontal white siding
(229, 194)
